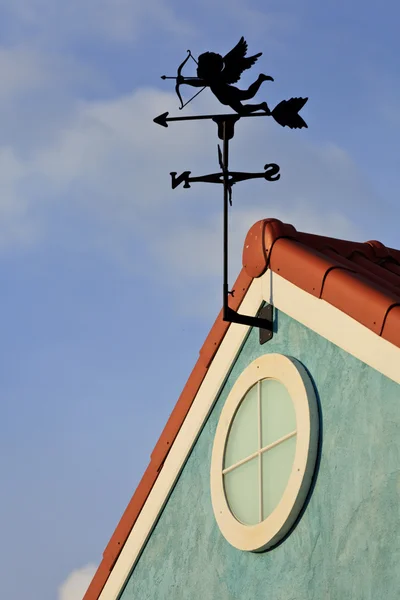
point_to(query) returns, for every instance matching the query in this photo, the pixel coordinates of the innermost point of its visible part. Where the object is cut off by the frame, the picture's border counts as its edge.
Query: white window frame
(264, 535)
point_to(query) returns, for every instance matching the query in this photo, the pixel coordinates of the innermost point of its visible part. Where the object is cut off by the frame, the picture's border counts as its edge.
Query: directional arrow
(285, 113)
(164, 119)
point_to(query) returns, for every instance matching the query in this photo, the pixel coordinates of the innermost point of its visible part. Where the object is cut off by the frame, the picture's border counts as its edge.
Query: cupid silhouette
(218, 73)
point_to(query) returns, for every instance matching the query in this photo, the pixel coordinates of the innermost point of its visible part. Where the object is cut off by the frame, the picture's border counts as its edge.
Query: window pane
(243, 435)
(242, 492)
(277, 411)
(276, 468)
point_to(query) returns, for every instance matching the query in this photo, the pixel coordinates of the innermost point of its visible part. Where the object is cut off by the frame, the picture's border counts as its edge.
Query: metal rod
(229, 116)
(226, 189)
(175, 77)
(226, 132)
(165, 118)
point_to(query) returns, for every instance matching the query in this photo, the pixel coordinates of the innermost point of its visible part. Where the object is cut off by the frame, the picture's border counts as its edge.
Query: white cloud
(121, 160)
(76, 584)
(105, 159)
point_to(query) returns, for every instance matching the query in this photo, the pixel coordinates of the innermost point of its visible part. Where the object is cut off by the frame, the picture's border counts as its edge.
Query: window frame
(292, 374)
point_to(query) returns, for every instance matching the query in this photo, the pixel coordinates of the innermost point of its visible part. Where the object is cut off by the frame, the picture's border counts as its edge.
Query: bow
(179, 77)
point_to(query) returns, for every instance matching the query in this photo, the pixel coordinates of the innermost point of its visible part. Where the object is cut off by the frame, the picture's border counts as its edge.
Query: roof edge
(165, 441)
(259, 241)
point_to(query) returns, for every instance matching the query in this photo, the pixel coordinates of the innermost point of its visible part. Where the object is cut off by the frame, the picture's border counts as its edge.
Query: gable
(347, 529)
(318, 316)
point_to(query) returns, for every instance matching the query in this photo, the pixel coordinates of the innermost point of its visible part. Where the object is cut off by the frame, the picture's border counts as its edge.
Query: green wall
(347, 542)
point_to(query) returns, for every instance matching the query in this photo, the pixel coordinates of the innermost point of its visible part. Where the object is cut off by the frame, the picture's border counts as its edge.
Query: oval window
(264, 452)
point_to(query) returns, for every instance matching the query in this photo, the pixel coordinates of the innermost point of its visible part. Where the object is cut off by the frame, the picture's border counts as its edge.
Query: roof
(360, 279)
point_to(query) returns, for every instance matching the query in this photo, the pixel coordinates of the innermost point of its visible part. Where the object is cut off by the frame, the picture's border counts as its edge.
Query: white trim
(317, 315)
(198, 414)
(332, 324)
(270, 531)
(260, 474)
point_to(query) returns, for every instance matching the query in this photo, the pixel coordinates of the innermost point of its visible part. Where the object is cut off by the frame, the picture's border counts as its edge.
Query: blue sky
(110, 280)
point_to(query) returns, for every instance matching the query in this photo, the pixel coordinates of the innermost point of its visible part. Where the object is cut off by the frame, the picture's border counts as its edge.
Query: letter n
(178, 180)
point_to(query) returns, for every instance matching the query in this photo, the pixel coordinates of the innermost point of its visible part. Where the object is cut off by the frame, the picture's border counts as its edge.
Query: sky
(110, 279)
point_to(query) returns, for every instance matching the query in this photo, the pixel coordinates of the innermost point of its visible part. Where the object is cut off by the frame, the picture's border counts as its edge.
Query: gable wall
(346, 545)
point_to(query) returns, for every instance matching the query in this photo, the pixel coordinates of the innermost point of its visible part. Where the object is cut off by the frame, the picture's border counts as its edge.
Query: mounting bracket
(264, 321)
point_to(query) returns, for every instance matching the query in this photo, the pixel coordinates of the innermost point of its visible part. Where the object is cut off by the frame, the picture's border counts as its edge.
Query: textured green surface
(347, 543)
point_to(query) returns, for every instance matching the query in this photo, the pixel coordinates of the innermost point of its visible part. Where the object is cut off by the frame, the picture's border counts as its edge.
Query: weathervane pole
(225, 236)
(226, 130)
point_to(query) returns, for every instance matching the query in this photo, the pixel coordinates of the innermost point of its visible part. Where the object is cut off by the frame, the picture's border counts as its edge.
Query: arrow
(175, 77)
(285, 113)
(164, 119)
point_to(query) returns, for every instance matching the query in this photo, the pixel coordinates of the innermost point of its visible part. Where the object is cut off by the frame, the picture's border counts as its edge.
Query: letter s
(272, 172)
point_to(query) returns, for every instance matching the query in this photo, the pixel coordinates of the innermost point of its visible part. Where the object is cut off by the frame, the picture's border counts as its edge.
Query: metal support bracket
(267, 314)
(264, 321)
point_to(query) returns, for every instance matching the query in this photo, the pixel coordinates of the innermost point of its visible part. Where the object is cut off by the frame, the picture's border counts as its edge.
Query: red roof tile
(360, 279)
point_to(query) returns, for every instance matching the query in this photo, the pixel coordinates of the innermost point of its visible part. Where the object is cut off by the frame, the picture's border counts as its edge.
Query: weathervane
(219, 73)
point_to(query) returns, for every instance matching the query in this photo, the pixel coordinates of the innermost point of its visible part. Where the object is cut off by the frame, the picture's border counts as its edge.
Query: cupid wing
(235, 62)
